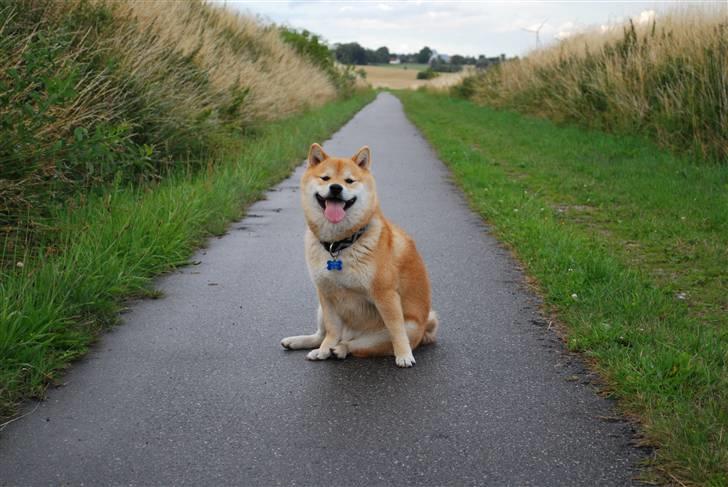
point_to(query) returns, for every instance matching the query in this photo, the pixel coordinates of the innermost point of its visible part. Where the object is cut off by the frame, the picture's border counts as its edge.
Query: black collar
(339, 245)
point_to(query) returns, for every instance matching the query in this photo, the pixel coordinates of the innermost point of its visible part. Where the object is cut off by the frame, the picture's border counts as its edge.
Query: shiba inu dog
(373, 288)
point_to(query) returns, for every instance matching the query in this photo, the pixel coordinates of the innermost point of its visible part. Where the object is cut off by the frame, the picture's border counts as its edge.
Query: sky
(449, 27)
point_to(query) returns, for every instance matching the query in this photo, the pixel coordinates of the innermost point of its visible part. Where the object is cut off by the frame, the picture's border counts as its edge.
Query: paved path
(195, 389)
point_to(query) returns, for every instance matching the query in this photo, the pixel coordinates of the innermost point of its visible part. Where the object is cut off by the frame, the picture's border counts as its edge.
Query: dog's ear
(316, 155)
(363, 158)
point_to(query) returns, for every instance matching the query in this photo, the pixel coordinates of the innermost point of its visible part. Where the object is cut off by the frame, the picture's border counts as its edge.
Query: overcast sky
(457, 27)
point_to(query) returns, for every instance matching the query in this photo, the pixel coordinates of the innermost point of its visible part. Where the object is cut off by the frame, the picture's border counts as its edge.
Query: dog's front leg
(332, 327)
(389, 306)
(307, 341)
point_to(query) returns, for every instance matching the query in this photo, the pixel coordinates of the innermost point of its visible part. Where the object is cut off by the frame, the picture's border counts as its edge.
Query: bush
(311, 46)
(464, 89)
(443, 67)
(428, 73)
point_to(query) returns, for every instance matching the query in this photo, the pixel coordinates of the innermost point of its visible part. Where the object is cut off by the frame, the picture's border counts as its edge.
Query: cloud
(645, 17)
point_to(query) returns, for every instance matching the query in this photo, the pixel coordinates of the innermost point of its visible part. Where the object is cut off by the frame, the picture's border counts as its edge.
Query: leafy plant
(428, 73)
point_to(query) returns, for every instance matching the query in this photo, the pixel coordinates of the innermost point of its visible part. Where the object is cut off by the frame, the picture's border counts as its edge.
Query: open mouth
(334, 208)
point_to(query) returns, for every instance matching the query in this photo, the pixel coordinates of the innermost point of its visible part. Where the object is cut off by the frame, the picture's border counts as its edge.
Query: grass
(109, 245)
(666, 77)
(629, 248)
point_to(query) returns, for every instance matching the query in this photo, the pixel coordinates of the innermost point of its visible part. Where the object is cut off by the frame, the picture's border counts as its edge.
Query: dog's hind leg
(307, 341)
(430, 329)
(378, 343)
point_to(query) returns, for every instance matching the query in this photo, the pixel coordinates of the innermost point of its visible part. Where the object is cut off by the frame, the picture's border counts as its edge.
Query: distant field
(398, 78)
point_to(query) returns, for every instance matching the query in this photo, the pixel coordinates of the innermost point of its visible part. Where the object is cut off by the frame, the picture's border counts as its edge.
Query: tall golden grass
(667, 77)
(236, 52)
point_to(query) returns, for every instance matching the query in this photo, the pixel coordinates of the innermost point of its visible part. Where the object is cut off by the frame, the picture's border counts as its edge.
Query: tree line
(354, 53)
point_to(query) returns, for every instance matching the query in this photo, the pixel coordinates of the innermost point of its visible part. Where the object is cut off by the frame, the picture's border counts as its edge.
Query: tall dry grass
(239, 56)
(93, 91)
(667, 78)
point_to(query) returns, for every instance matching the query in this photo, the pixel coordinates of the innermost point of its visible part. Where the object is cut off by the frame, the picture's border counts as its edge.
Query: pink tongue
(334, 211)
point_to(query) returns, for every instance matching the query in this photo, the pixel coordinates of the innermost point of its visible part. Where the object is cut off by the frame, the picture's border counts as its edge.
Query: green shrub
(311, 46)
(443, 67)
(464, 89)
(428, 73)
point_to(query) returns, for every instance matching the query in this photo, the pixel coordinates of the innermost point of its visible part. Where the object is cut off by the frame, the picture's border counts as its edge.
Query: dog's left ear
(316, 155)
(363, 158)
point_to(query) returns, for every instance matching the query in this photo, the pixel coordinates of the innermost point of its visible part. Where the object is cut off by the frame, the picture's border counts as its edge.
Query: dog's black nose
(335, 189)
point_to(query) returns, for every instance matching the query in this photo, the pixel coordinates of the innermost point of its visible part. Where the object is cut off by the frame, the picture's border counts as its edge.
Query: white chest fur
(357, 264)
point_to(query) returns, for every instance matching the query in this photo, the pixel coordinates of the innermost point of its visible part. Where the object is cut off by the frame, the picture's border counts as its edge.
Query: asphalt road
(195, 389)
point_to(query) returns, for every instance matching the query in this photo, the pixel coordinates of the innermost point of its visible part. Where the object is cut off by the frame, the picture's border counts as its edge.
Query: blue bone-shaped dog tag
(333, 265)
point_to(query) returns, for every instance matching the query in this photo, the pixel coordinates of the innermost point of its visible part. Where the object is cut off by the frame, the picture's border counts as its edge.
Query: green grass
(110, 246)
(629, 247)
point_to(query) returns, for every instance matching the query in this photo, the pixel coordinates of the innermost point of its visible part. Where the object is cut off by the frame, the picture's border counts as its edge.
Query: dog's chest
(353, 275)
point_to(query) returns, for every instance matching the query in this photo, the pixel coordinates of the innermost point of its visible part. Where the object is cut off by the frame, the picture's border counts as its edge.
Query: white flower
(574, 297)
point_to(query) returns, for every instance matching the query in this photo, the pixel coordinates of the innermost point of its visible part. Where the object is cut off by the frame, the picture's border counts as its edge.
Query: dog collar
(334, 248)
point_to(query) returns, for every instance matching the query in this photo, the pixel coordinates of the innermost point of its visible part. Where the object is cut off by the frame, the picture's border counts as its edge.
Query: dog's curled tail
(431, 329)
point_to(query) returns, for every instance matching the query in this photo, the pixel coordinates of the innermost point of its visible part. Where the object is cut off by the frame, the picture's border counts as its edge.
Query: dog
(373, 288)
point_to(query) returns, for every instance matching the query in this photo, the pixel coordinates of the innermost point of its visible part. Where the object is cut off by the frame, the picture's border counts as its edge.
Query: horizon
(461, 27)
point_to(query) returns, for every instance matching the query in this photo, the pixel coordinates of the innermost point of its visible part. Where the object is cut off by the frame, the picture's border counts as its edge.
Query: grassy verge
(628, 245)
(54, 302)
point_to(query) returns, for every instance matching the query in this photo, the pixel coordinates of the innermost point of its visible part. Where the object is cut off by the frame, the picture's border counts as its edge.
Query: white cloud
(563, 34)
(645, 17)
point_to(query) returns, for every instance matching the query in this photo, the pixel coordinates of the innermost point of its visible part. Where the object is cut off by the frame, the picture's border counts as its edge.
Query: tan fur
(379, 304)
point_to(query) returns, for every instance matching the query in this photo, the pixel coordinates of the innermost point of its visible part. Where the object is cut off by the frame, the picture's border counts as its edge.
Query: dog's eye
(325, 178)
(349, 181)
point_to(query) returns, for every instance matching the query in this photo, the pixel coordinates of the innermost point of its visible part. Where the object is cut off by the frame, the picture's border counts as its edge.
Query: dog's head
(339, 195)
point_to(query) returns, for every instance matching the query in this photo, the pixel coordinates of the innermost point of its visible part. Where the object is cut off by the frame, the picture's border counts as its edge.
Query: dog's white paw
(407, 360)
(301, 341)
(318, 354)
(341, 351)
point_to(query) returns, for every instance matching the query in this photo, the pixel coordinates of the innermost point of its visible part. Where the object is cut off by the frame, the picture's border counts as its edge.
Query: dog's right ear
(316, 155)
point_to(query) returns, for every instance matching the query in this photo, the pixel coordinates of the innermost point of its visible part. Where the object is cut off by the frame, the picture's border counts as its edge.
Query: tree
(382, 55)
(457, 59)
(351, 53)
(371, 56)
(423, 57)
